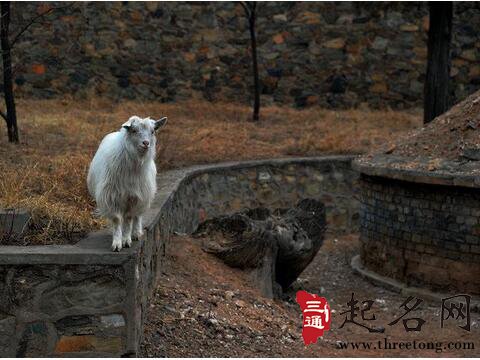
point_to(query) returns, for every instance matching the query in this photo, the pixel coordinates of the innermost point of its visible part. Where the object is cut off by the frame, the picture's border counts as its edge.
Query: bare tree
(250, 8)
(436, 92)
(10, 113)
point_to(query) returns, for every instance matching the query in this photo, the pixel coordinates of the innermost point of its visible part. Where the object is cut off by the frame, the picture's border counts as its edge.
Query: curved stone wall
(424, 234)
(84, 300)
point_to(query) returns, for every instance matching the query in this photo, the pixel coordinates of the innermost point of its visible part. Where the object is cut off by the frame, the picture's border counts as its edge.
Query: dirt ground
(203, 308)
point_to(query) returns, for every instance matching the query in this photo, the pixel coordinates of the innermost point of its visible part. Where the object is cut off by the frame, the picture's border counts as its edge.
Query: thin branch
(34, 20)
(3, 115)
(246, 8)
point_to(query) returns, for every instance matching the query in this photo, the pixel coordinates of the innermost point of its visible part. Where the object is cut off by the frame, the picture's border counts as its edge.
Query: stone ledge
(95, 248)
(402, 288)
(443, 172)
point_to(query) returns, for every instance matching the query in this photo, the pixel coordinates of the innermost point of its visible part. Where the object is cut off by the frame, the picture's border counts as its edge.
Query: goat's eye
(153, 131)
(133, 131)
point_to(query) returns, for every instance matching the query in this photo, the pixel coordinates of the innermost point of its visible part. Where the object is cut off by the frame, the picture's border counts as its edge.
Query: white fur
(122, 178)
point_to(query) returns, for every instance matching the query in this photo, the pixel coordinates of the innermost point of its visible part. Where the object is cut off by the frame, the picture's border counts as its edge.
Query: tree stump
(275, 246)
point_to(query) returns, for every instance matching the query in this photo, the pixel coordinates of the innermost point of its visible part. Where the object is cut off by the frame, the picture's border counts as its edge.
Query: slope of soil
(204, 308)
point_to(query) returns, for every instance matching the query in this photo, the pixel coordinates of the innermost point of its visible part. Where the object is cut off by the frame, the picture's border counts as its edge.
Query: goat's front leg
(137, 227)
(127, 232)
(117, 232)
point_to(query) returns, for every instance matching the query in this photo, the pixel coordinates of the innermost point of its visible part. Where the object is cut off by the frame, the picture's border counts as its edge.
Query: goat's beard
(143, 151)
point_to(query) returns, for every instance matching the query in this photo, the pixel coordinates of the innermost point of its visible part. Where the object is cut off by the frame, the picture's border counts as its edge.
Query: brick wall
(421, 234)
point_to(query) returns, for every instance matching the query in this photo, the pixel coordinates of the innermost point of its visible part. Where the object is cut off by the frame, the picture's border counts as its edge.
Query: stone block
(89, 343)
(34, 340)
(113, 321)
(14, 221)
(94, 292)
(7, 336)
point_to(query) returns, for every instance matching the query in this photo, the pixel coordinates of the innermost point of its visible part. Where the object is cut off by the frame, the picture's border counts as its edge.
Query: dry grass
(46, 173)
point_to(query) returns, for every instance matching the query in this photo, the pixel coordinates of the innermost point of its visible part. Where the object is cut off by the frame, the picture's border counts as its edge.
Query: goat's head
(140, 133)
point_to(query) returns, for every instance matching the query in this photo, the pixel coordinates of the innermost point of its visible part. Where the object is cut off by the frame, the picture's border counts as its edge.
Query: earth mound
(450, 144)
(454, 135)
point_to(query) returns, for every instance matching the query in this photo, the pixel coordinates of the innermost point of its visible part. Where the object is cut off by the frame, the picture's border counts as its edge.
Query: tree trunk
(11, 114)
(276, 247)
(436, 100)
(256, 82)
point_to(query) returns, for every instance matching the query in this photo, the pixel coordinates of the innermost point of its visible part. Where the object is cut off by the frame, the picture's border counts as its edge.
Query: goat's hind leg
(137, 227)
(117, 223)
(127, 232)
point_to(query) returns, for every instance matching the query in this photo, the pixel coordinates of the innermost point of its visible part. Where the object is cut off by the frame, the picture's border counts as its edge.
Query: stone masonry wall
(85, 300)
(272, 185)
(310, 53)
(421, 234)
(63, 309)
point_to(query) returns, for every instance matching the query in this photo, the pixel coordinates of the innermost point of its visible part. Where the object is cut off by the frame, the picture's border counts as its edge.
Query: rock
(390, 149)
(212, 321)
(472, 154)
(416, 87)
(314, 48)
(229, 295)
(469, 55)
(425, 23)
(38, 69)
(312, 100)
(339, 84)
(394, 19)
(271, 55)
(95, 292)
(337, 43)
(130, 43)
(14, 221)
(409, 27)
(7, 333)
(152, 6)
(345, 19)
(474, 71)
(379, 43)
(34, 340)
(309, 17)
(114, 320)
(280, 18)
(278, 39)
(88, 343)
(240, 303)
(379, 88)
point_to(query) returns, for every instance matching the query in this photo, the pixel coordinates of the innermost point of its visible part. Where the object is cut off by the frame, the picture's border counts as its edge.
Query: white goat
(122, 177)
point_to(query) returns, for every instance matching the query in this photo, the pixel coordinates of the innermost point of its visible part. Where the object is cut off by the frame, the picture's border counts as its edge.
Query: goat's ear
(160, 123)
(128, 124)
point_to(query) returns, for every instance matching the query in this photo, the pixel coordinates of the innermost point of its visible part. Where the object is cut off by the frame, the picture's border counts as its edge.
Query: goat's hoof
(137, 236)
(127, 243)
(116, 247)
